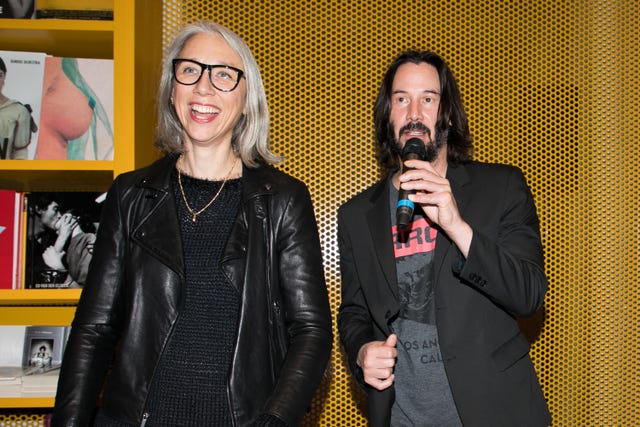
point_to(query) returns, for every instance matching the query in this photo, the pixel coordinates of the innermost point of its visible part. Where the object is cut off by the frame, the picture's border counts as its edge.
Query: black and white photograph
(43, 347)
(61, 231)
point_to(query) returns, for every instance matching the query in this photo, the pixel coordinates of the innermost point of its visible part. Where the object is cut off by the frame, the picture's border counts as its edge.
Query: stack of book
(10, 381)
(41, 383)
(37, 373)
(74, 9)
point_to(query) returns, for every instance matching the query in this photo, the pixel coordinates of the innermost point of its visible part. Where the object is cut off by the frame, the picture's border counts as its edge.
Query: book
(11, 238)
(12, 347)
(20, 115)
(10, 381)
(76, 121)
(76, 4)
(40, 384)
(101, 15)
(60, 233)
(18, 9)
(43, 348)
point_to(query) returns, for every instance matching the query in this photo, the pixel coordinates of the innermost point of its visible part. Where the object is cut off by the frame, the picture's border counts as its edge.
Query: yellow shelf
(59, 37)
(55, 165)
(54, 307)
(26, 297)
(26, 402)
(57, 24)
(134, 41)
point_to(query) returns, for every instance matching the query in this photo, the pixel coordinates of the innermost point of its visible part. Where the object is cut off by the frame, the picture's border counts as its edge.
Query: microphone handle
(404, 208)
(404, 211)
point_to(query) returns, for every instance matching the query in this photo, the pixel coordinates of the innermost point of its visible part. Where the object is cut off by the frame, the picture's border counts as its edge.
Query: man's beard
(431, 147)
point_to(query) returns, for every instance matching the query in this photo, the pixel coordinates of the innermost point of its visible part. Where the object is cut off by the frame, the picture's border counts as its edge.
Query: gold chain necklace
(193, 213)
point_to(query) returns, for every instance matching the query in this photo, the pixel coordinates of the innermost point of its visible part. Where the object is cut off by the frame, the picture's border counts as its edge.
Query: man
(428, 314)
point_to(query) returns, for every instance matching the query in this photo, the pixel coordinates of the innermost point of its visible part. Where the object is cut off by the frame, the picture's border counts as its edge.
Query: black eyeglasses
(223, 77)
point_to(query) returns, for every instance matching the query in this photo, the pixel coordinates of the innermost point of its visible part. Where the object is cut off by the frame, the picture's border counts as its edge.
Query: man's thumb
(391, 341)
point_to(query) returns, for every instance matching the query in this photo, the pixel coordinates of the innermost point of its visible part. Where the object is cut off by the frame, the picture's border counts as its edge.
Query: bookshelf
(134, 41)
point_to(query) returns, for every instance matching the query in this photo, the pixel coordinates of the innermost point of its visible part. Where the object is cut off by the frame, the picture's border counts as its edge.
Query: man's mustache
(416, 126)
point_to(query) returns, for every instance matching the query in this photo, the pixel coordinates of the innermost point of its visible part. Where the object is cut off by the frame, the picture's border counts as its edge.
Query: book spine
(101, 15)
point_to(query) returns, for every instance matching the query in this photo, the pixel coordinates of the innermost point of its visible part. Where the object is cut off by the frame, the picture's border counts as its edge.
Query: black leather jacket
(134, 294)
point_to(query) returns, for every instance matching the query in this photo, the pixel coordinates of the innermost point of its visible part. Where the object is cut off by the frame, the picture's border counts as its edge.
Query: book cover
(18, 9)
(10, 238)
(43, 348)
(21, 78)
(61, 231)
(76, 121)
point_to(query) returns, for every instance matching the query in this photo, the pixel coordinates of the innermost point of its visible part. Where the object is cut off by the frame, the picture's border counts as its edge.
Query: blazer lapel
(380, 228)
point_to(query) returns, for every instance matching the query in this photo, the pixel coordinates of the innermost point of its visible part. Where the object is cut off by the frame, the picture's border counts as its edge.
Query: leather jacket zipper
(146, 414)
(145, 417)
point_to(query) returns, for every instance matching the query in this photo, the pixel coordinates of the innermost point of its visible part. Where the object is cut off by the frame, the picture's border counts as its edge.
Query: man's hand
(377, 360)
(433, 193)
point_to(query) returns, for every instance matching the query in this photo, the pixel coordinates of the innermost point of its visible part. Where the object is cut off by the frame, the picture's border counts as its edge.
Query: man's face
(51, 215)
(415, 101)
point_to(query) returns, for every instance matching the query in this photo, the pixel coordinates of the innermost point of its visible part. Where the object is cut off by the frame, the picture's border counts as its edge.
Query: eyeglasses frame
(207, 67)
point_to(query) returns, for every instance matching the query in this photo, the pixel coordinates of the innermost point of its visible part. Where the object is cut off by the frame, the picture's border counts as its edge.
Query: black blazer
(477, 300)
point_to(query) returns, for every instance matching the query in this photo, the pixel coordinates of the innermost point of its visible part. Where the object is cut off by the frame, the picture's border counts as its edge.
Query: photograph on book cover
(43, 346)
(21, 77)
(77, 110)
(61, 231)
(17, 9)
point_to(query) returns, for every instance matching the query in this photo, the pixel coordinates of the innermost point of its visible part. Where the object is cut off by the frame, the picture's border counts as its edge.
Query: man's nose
(414, 114)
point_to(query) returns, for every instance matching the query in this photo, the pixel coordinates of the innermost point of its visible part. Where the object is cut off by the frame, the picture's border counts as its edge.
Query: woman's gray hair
(250, 136)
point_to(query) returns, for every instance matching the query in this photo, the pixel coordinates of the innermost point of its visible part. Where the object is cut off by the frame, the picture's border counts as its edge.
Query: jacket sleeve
(354, 320)
(505, 260)
(94, 331)
(306, 308)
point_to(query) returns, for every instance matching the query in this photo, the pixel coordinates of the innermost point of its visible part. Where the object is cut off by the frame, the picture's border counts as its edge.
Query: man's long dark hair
(452, 119)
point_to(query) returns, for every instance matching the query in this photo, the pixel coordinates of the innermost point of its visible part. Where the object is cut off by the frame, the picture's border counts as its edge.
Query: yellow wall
(551, 87)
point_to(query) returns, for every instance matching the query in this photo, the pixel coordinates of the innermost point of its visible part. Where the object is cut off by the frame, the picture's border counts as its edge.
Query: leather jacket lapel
(255, 186)
(153, 210)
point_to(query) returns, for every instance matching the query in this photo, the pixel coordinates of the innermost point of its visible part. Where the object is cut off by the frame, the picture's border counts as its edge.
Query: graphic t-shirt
(423, 395)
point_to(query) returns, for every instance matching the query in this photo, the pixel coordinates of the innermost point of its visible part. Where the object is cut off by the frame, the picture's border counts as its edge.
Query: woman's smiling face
(207, 114)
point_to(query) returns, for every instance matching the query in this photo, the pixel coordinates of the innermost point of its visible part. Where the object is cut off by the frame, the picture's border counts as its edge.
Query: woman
(74, 125)
(207, 273)
(16, 124)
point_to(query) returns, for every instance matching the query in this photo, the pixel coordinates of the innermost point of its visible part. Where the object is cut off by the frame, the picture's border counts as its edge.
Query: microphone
(413, 150)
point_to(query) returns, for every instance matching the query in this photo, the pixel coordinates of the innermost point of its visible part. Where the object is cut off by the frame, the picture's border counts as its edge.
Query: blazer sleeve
(505, 260)
(354, 320)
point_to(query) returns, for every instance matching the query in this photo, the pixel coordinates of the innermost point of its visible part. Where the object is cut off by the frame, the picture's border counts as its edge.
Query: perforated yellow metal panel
(552, 87)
